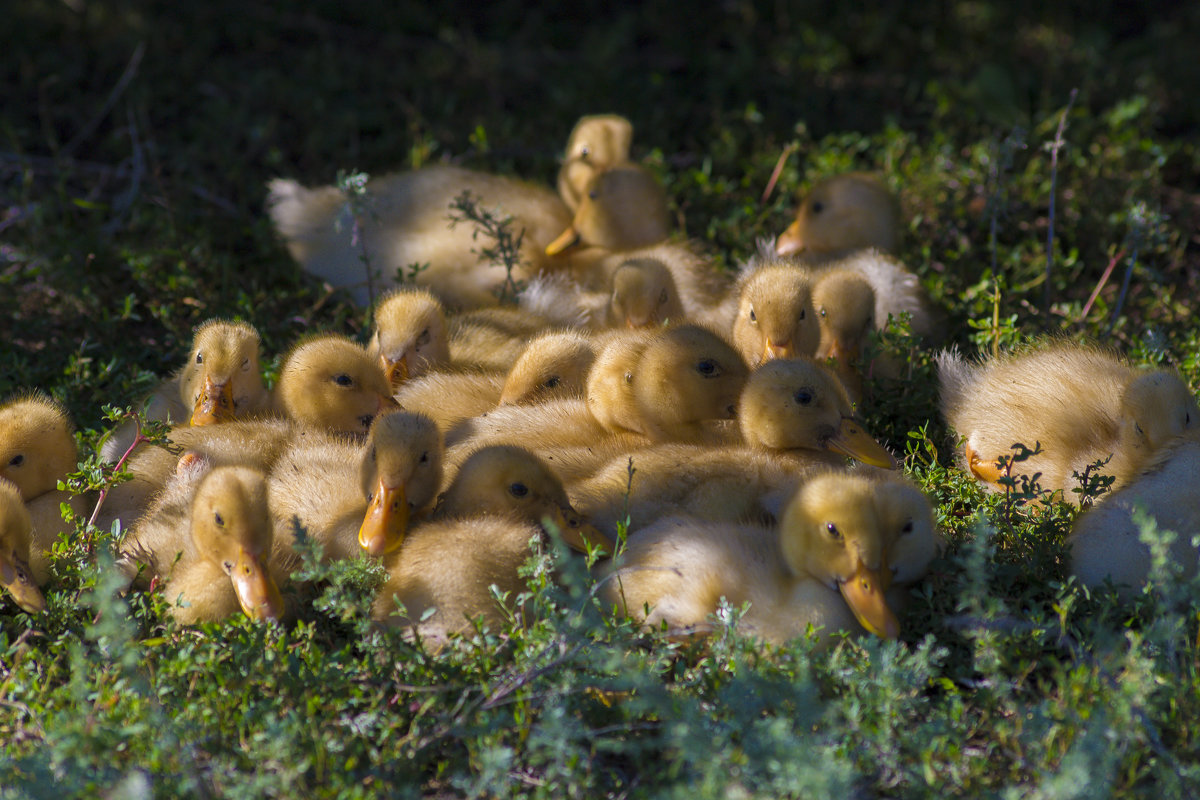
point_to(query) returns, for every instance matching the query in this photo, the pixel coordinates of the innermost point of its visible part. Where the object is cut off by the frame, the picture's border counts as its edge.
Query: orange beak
(863, 592)
(386, 521)
(396, 371)
(256, 590)
(851, 440)
(215, 403)
(565, 241)
(772, 350)
(577, 533)
(15, 578)
(790, 241)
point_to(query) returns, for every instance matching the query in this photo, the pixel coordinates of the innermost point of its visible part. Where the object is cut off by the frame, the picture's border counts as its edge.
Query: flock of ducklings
(634, 386)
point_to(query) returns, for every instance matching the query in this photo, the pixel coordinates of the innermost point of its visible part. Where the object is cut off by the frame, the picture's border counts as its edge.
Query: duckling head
(222, 379)
(597, 142)
(625, 207)
(410, 335)
(1155, 408)
(332, 383)
(847, 212)
(644, 295)
(16, 537)
(686, 375)
(775, 316)
(553, 365)
(37, 446)
(796, 404)
(231, 527)
(511, 481)
(831, 531)
(906, 517)
(401, 471)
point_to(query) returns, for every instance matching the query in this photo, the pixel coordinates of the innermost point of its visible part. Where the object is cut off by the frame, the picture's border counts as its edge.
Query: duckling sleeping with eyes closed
(848, 212)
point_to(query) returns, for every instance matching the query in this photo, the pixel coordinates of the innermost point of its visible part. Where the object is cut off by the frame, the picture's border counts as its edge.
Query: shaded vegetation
(135, 142)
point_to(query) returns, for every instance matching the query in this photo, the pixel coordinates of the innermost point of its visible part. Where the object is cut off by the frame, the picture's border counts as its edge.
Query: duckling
(625, 208)
(641, 293)
(845, 306)
(406, 222)
(478, 537)
(794, 417)
(37, 450)
(775, 316)
(410, 335)
(1105, 541)
(356, 497)
(220, 380)
(1081, 403)
(844, 213)
(841, 543)
(16, 541)
(492, 338)
(598, 142)
(209, 536)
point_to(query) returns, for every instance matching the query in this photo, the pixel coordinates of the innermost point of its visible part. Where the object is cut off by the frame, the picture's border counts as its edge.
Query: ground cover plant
(1046, 157)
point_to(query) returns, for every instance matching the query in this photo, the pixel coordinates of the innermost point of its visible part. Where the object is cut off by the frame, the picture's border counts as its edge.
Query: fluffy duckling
(845, 306)
(1105, 542)
(411, 336)
(624, 208)
(209, 537)
(16, 542)
(219, 381)
(598, 142)
(1081, 403)
(641, 294)
(356, 497)
(37, 450)
(775, 315)
(492, 338)
(406, 222)
(478, 538)
(842, 542)
(794, 417)
(844, 213)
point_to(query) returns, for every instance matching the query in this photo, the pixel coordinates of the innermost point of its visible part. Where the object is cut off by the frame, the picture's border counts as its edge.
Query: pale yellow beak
(772, 350)
(566, 240)
(789, 241)
(396, 371)
(386, 521)
(15, 578)
(215, 403)
(863, 592)
(851, 440)
(256, 590)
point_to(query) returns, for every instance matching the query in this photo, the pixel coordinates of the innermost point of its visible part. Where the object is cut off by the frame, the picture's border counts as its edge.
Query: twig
(1054, 148)
(1103, 280)
(122, 84)
(783, 157)
(138, 439)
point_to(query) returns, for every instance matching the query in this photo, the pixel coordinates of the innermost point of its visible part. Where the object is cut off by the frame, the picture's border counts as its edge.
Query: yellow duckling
(406, 222)
(37, 450)
(793, 416)
(641, 294)
(209, 537)
(219, 381)
(1105, 542)
(478, 538)
(1081, 403)
(410, 336)
(356, 497)
(598, 142)
(775, 315)
(492, 338)
(624, 208)
(844, 213)
(843, 541)
(16, 543)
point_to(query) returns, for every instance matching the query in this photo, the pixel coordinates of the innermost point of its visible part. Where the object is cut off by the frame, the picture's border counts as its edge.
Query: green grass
(131, 210)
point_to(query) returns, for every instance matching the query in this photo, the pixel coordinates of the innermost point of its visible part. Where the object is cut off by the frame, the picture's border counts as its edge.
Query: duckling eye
(823, 312)
(907, 529)
(17, 460)
(199, 358)
(246, 365)
(342, 379)
(1187, 418)
(818, 207)
(518, 490)
(802, 313)
(425, 457)
(629, 377)
(1138, 428)
(753, 316)
(804, 397)
(372, 453)
(708, 368)
(594, 194)
(423, 339)
(662, 298)
(833, 531)
(218, 519)
(552, 382)
(585, 151)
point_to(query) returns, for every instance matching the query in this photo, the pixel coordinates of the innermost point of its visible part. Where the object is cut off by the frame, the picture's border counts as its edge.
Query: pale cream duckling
(843, 541)
(844, 213)
(220, 380)
(641, 293)
(1081, 403)
(1105, 542)
(775, 315)
(794, 417)
(405, 222)
(209, 537)
(597, 142)
(625, 208)
(410, 336)
(37, 450)
(478, 537)
(845, 306)
(356, 497)
(16, 541)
